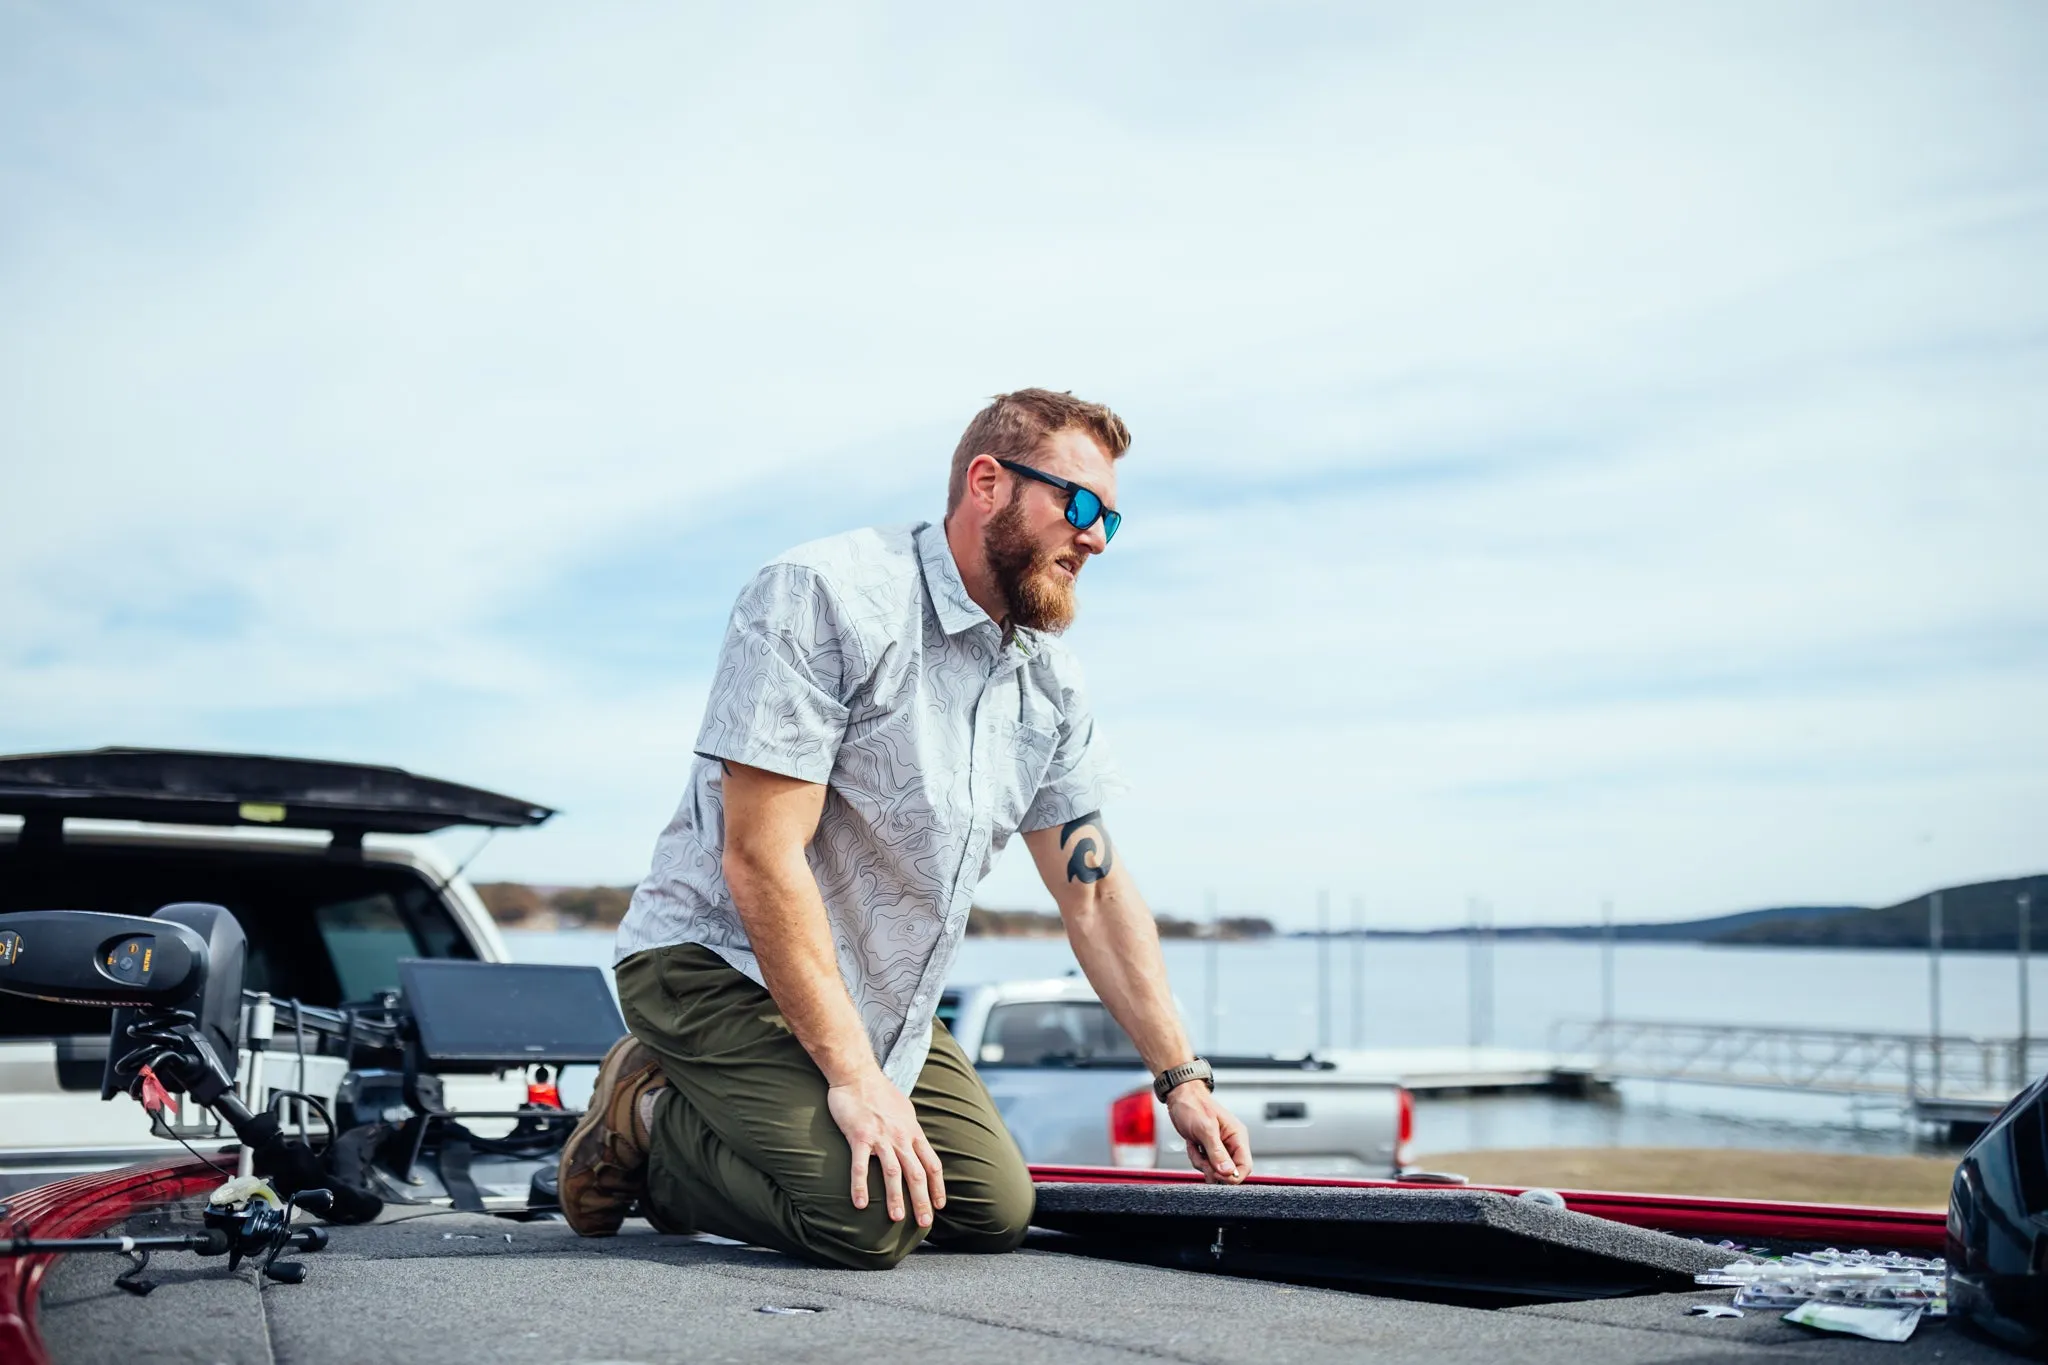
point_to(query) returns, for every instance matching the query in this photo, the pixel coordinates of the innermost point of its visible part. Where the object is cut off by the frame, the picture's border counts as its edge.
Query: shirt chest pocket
(1019, 759)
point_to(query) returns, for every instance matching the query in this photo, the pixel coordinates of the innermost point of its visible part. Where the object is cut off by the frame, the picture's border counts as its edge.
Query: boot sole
(610, 1072)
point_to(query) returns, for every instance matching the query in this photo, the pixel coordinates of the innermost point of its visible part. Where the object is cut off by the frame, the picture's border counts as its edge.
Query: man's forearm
(784, 916)
(1117, 944)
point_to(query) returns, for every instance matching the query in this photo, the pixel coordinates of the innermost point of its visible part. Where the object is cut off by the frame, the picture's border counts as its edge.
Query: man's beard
(1039, 597)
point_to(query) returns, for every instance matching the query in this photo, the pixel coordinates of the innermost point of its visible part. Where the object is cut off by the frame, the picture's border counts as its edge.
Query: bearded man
(890, 706)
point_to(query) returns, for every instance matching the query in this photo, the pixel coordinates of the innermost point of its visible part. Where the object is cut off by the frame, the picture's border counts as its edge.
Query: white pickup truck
(1073, 1090)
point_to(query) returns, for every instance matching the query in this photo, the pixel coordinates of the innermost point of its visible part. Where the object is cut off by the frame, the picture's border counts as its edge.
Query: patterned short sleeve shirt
(860, 662)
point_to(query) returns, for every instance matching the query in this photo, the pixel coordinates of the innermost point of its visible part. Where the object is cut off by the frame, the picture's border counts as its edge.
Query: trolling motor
(174, 982)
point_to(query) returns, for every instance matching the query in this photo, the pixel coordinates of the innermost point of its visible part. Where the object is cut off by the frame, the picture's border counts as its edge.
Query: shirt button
(917, 999)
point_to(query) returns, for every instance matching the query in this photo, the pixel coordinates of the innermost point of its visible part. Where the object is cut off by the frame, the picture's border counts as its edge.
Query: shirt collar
(957, 611)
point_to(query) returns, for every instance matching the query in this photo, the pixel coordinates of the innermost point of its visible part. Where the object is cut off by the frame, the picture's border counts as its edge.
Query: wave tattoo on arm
(1079, 869)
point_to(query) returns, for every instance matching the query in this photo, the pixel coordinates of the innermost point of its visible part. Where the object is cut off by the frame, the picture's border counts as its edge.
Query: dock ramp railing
(1909, 1067)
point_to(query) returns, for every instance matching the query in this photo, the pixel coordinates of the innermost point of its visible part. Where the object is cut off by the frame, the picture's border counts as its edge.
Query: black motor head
(84, 957)
(1998, 1225)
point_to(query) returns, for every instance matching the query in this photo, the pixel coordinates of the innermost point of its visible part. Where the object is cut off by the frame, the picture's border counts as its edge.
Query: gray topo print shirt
(860, 662)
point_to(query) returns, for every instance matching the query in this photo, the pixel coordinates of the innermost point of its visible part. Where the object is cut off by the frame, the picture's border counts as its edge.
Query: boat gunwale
(90, 1203)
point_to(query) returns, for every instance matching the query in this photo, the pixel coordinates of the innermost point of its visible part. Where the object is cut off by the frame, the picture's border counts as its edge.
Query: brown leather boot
(604, 1164)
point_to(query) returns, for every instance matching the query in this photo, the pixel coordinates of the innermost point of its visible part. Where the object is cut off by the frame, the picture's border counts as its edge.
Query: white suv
(320, 864)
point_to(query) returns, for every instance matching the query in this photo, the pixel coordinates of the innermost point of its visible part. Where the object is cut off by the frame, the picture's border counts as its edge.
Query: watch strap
(1197, 1070)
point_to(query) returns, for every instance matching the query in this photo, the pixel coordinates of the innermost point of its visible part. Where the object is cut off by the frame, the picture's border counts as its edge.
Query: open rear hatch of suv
(188, 787)
(323, 929)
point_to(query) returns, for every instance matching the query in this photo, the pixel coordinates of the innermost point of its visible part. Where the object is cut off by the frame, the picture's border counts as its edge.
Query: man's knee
(1010, 1215)
(880, 1253)
(993, 1236)
(995, 1218)
(863, 1242)
(843, 1254)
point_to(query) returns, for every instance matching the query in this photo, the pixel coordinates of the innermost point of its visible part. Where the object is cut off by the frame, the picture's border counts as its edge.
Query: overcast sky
(1579, 453)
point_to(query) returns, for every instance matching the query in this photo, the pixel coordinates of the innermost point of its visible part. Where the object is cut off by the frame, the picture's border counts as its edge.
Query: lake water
(1416, 992)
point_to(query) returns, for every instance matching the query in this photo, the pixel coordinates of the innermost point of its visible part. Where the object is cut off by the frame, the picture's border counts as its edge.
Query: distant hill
(1979, 917)
(1669, 931)
(1983, 916)
(516, 905)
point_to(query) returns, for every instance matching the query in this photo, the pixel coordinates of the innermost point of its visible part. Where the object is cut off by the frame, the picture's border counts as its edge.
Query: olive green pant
(743, 1145)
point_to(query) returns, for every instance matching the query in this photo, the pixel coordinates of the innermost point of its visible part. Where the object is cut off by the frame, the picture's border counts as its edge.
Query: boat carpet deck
(462, 1287)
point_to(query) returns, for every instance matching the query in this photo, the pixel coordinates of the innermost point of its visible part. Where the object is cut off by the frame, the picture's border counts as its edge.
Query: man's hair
(1015, 425)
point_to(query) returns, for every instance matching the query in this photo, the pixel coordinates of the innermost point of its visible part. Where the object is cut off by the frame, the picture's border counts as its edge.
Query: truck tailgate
(1307, 1123)
(1300, 1123)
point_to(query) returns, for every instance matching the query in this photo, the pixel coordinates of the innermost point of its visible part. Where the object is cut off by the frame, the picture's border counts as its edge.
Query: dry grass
(1812, 1177)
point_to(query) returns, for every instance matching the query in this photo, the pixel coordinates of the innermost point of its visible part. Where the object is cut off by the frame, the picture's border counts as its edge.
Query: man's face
(1034, 551)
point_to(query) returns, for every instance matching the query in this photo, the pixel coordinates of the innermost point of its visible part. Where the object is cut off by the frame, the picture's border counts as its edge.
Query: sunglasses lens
(1083, 507)
(1110, 521)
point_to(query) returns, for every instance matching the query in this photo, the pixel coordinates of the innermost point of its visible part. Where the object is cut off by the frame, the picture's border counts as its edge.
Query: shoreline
(1910, 1182)
(1401, 936)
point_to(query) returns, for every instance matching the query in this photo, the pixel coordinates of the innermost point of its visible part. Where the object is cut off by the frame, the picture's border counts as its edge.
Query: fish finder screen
(509, 1012)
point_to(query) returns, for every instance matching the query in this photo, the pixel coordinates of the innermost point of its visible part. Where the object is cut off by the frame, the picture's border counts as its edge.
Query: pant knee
(869, 1242)
(991, 1240)
(996, 1221)
(1010, 1215)
(884, 1255)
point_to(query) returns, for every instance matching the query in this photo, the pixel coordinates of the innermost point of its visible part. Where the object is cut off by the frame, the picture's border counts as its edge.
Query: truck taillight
(1133, 1130)
(1404, 1129)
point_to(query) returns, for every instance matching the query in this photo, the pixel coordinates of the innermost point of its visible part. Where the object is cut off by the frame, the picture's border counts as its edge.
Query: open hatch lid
(187, 787)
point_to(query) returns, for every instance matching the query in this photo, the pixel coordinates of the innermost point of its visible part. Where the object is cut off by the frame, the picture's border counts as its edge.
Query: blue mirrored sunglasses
(1084, 506)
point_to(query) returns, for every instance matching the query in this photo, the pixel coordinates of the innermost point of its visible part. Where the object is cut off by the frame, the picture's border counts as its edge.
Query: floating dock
(1470, 1070)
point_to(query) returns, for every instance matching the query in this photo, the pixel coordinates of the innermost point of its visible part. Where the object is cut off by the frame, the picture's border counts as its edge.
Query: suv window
(1054, 1033)
(319, 931)
(364, 939)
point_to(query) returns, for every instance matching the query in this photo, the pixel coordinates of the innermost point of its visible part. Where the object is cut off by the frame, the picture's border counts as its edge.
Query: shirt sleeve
(778, 698)
(1082, 776)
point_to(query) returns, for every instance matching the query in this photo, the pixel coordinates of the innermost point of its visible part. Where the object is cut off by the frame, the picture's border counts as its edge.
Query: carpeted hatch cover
(1453, 1246)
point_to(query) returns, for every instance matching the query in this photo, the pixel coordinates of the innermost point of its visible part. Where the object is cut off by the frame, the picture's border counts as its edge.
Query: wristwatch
(1197, 1070)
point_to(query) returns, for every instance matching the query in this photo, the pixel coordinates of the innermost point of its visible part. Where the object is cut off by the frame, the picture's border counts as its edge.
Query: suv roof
(189, 787)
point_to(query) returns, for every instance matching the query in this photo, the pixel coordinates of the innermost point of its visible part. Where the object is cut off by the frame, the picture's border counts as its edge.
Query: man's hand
(880, 1123)
(1217, 1143)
